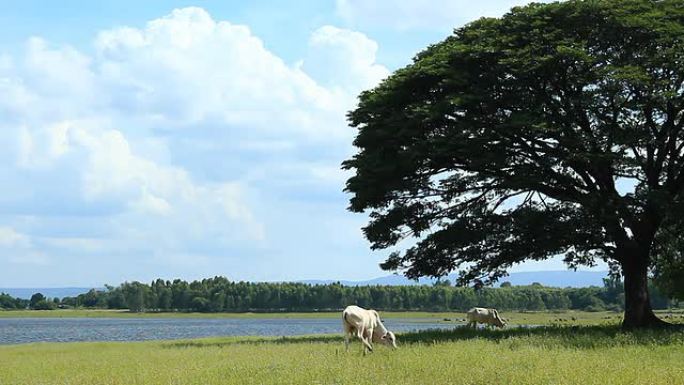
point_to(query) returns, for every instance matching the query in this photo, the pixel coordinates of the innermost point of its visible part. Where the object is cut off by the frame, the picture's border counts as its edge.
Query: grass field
(570, 348)
(599, 354)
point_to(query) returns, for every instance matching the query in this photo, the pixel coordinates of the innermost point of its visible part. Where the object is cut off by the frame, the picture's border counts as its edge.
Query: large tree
(553, 130)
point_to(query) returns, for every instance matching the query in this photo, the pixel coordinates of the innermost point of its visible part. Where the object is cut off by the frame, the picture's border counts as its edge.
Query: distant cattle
(366, 325)
(484, 316)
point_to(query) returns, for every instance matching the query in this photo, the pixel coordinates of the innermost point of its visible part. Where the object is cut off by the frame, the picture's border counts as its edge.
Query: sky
(179, 139)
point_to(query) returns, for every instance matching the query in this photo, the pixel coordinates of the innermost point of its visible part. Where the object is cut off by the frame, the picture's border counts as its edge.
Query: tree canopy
(553, 130)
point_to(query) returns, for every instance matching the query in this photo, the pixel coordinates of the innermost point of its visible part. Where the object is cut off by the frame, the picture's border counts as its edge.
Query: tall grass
(600, 354)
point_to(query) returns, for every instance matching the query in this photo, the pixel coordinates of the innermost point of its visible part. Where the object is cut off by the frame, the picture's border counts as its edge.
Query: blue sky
(192, 139)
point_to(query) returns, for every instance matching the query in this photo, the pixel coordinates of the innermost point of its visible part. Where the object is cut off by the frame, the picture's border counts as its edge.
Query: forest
(219, 294)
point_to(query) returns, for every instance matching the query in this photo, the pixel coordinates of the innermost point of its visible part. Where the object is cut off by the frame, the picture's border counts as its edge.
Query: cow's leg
(369, 337)
(348, 330)
(362, 337)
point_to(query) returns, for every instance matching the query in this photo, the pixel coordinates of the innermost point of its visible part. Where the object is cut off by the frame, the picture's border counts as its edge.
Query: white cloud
(421, 14)
(181, 142)
(152, 204)
(63, 73)
(10, 237)
(18, 248)
(344, 59)
(39, 147)
(188, 69)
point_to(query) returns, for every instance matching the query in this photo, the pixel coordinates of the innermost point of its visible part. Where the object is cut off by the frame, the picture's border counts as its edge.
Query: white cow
(484, 316)
(367, 326)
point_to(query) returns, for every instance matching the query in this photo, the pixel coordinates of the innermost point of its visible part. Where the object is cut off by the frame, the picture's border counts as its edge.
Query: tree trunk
(638, 311)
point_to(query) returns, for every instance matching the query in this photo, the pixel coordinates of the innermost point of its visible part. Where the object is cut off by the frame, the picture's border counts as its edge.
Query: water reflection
(25, 330)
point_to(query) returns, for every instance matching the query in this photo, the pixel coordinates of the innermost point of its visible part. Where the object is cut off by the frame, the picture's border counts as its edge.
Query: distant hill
(59, 292)
(559, 278)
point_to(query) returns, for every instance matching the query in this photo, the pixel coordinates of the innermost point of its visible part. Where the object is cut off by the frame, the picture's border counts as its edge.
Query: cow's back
(477, 314)
(355, 315)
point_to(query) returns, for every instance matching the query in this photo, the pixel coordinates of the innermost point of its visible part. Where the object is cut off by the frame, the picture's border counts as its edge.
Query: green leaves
(505, 141)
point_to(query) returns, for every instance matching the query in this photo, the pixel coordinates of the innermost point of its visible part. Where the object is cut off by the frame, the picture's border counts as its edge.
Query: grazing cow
(484, 316)
(366, 326)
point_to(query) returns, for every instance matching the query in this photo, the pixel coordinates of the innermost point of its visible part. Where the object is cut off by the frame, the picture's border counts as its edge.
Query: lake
(25, 330)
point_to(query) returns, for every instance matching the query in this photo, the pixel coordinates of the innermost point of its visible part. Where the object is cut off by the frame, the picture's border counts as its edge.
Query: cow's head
(389, 339)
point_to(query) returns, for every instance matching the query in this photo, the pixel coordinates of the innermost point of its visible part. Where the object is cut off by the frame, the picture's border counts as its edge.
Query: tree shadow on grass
(578, 337)
(582, 337)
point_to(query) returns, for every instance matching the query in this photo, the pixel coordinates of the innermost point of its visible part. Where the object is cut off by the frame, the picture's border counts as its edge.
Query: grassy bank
(549, 355)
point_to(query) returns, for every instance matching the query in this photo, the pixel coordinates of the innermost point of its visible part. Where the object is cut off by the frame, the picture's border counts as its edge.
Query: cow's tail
(348, 327)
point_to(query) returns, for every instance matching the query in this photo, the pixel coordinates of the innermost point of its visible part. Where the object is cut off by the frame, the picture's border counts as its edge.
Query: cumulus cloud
(420, 14)
(343, 59)
(187, 69)
(169, 143)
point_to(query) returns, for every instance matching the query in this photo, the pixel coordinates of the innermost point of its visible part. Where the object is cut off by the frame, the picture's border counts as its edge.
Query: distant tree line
(37, 302)
(221, 295)
(9, 302)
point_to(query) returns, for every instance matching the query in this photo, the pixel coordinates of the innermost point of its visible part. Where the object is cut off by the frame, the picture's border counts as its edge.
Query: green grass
(599, 354)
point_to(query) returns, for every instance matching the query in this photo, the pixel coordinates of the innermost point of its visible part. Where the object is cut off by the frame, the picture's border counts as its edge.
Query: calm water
(23, 330)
